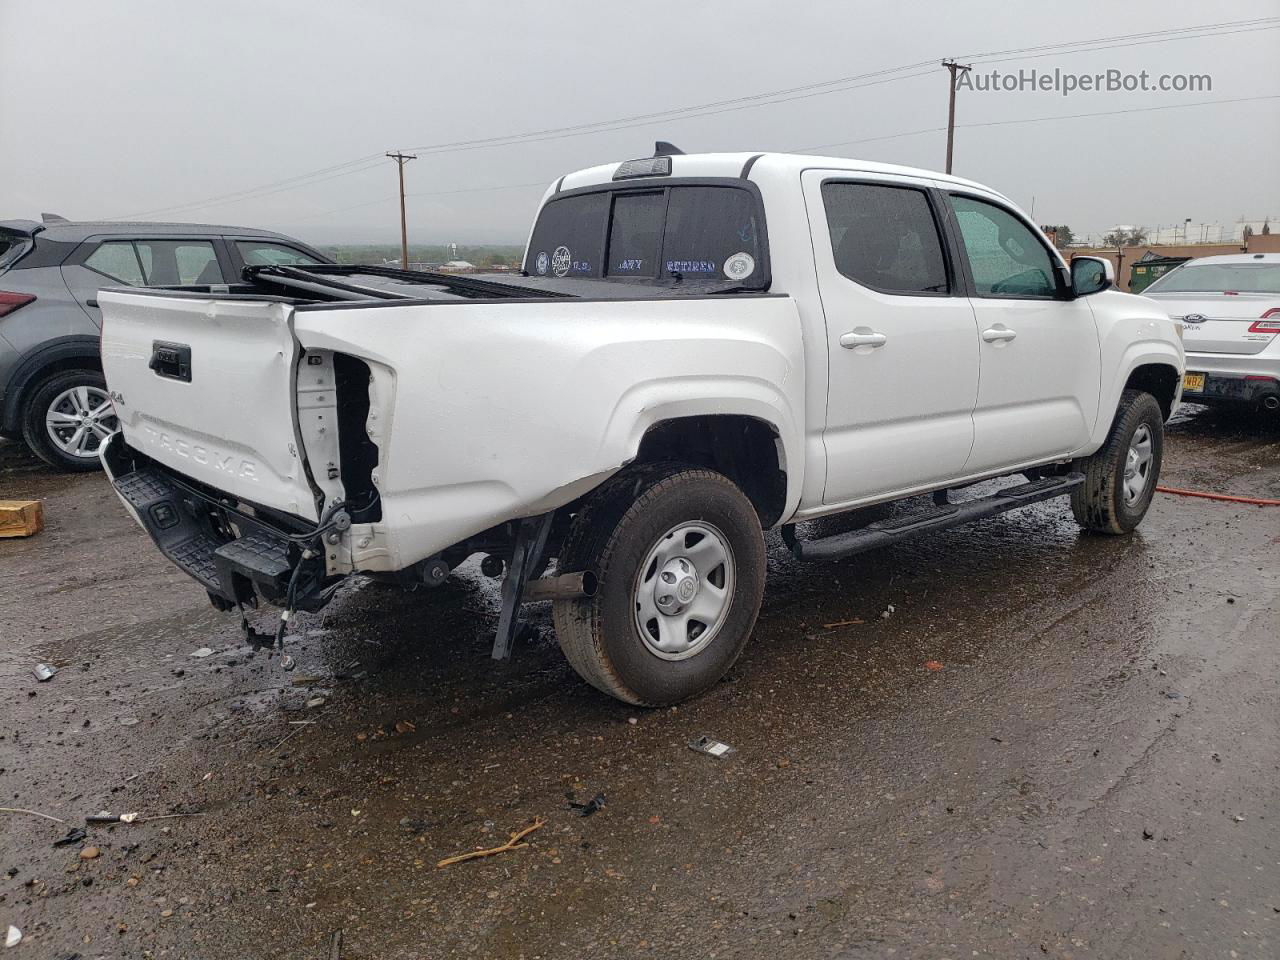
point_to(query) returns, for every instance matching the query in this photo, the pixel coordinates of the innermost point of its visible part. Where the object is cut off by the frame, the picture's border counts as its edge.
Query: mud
(1094, 770)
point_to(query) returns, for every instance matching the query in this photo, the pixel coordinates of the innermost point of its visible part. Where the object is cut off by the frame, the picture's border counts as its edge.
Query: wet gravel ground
(1056, 745)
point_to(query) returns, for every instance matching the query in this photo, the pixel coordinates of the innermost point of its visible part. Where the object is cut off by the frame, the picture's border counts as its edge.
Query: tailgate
(207, 388)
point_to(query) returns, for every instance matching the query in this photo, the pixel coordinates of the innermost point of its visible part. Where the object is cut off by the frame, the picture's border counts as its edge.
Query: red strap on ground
(1256, 501)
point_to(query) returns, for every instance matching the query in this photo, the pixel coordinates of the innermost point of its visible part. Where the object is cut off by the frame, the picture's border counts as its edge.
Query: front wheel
(1121, 477)
(680, 557)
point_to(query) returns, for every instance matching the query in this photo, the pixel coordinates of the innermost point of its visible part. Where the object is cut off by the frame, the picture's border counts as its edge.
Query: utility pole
(401, 159)
(954, 69)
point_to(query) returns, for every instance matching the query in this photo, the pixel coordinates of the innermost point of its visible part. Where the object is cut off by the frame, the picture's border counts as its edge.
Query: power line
(786, 95)
(823, 146)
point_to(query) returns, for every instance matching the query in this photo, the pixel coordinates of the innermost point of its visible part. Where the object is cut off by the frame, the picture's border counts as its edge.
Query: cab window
(885, 237)
(1005, 256)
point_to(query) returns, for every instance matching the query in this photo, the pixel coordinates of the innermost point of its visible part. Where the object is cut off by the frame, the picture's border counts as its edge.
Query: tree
(1125, 237)
(1266, 228)
(1063, 235)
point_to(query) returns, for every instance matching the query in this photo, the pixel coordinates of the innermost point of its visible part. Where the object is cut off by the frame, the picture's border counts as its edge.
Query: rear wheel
(67, 417)
(1121, 477)
(680, 556)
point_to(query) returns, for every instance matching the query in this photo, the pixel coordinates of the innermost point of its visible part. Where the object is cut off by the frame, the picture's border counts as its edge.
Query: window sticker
(543, 260)
(739, 266)
(691, 266)
(630, 266)
(561, 261)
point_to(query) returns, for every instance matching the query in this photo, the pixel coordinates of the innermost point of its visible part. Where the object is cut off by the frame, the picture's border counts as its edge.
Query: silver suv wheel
(79, 419)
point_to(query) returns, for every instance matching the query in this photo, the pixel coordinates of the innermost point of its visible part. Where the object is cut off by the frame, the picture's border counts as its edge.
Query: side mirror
(1091, 275)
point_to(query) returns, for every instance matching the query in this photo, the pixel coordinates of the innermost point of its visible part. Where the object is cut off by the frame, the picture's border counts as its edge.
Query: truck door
(902, 352)
(1040, 363)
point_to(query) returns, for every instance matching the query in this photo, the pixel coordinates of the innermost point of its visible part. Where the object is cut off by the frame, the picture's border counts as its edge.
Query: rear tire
(680, 557)
(65, 422)
(1121, 477)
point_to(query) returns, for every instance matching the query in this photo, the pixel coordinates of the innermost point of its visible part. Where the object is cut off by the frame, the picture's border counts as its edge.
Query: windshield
(672, 232)
(1220, 278)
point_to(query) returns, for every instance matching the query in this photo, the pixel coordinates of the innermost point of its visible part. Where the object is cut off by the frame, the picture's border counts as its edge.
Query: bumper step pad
(162, 509)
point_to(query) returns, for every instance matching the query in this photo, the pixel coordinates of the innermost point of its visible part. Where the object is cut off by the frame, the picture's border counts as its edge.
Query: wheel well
(30, 381)
(1158, 379)
(744, 449)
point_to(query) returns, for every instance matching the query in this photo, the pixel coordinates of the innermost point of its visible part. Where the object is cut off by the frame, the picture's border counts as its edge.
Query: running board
(939, 517)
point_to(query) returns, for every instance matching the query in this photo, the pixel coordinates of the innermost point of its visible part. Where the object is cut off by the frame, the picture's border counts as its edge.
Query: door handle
(998, 334)
(862, 337)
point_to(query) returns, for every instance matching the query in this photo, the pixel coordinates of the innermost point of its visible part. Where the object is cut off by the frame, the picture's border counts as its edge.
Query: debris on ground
(715, 748)
(287, 662)
(202, 653)
(842, 623)
(74, 835)
(335, 946)
(43, 672)
(21, 518)
(404, 726)
(515, 843)
(105, 817)
(32, 813)
(887, 612)
(14, 937)
(934, 665)
(90, 853)
(588, 808)
(413, 825)
(316, 702)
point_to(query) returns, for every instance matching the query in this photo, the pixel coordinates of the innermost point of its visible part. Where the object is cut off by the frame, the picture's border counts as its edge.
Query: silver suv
(52, 393)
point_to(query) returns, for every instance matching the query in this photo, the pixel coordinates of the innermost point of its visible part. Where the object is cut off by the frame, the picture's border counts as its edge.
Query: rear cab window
(673, 232)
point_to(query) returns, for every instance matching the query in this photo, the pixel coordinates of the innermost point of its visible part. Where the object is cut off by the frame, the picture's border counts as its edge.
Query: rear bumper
(1235, 379)
(236, 557)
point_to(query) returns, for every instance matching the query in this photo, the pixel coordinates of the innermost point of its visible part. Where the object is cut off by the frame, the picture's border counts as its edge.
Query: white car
(1230, 309)
(701, 348)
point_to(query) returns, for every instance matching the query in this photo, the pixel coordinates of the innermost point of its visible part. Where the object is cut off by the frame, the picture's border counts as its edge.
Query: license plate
(1193, 381)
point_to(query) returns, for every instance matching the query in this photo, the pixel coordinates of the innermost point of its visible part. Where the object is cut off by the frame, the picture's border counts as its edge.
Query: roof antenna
(53, 218)
(663, 149)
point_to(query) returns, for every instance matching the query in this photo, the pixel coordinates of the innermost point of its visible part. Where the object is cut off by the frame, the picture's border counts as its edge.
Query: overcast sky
(110, 110)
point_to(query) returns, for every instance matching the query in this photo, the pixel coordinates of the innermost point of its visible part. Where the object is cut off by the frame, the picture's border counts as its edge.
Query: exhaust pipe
(1271, 402)
(567, 586)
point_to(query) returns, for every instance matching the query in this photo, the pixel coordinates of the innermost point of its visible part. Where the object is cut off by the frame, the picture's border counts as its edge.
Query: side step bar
(939, 517)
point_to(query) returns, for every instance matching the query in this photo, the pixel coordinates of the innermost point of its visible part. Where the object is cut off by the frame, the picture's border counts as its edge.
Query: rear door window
(179, 262)
(885, 237)
(117, 260)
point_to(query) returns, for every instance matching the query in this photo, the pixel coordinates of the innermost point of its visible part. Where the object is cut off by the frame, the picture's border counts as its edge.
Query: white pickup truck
(700, 348)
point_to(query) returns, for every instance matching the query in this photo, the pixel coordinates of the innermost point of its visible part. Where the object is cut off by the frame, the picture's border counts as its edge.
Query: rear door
(901, 343)
(207, 388)
(1041, 368)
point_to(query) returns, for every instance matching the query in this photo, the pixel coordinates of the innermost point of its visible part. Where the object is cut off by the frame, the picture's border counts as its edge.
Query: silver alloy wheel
(79, 419)
(1137, 465)
(683, 590)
